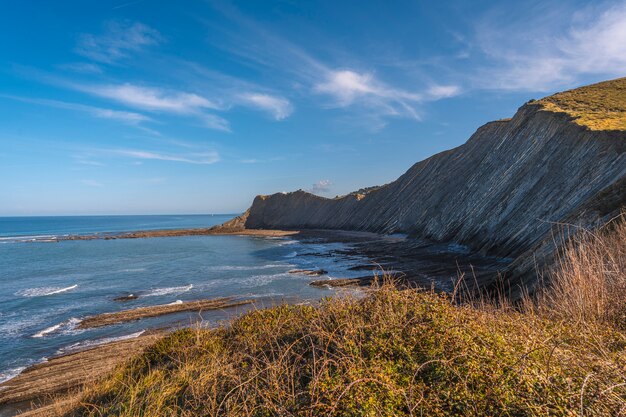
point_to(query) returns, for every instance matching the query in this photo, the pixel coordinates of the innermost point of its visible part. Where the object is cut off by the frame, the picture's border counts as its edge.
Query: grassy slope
(395, 353)
(400, 353)
(599, 106)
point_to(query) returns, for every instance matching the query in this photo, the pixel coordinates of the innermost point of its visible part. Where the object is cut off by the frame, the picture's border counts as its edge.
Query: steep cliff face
(501, 193)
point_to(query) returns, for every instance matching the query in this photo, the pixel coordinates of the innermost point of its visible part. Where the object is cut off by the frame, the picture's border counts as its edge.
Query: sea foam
(168, 290)
(65, 326)
(44, 291)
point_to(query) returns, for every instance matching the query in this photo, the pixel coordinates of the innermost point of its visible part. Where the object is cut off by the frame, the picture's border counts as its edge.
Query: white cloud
(198, 158)
(216, 122)
(149, 98)
(83, 161)
(348, 87)
(437, 92)
(119, 115)
(160, 100)
(118, 41)
(321, 187)
(82, 67)
(555, 48)
(279, 107)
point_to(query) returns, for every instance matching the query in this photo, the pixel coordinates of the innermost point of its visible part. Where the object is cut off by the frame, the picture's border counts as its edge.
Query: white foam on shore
(260, 280)
(66, 326)
(44, 291)
(27, 238)
(175, 303)
(92, 343)
(168, 290)
(10, 374)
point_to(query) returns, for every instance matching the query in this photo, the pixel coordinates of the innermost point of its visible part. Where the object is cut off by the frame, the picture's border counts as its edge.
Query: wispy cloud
(555, 47)
(279, 107)
(320, 187)
(437, 92)
(160, 100)
(83, 160)
(81, 67)
(103, 113)
(198, 158)
(150, 98)
(261, 160)
(119, 40)
(347, 87)
(213, 121)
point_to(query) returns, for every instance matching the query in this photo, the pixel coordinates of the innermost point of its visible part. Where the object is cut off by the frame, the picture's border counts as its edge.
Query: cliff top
(600, 106)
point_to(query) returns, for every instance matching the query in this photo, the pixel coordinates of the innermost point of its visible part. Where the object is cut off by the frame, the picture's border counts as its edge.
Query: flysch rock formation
(509, 191)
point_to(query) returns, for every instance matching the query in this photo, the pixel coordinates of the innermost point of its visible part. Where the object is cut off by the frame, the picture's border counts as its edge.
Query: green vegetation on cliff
(599, 106)
(399, 353)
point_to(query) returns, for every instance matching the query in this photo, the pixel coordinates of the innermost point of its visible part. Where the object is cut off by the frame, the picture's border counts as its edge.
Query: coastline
(414, 262)
(142, 234)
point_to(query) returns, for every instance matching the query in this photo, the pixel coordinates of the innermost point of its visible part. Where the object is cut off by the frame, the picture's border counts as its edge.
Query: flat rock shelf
(107, 319)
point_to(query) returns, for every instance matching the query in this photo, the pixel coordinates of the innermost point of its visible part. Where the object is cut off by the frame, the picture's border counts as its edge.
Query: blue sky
(154, 106)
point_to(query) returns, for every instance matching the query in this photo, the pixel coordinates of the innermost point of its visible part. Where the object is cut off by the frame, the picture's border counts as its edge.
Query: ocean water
(47, 287)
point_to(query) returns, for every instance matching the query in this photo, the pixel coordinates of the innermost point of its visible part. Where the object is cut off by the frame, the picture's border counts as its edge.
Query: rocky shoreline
(43, 386)
(410, 261)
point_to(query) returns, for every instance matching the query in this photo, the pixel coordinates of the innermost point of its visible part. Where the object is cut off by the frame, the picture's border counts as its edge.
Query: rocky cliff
(505, 192)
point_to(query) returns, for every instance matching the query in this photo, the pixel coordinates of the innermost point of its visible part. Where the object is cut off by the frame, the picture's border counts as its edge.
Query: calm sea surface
(47, 287)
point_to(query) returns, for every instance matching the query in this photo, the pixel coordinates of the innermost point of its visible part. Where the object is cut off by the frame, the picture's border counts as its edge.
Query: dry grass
(399, 353)
(589, 284)
(599, 106)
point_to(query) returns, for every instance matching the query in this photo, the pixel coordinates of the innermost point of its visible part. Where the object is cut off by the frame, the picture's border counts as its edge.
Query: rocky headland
(514, 190)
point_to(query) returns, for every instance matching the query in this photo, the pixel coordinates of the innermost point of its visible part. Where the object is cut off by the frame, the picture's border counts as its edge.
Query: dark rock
(128, 297)
(311, 272)
(343, 282)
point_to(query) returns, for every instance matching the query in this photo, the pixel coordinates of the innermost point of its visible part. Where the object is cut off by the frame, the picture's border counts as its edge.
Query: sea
(47, 286)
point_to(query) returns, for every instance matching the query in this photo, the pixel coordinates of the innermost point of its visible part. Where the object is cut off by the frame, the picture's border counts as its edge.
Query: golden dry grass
(599, 106)
(589, 284)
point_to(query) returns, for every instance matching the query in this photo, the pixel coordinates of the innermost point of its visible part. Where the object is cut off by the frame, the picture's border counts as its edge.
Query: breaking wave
(169, 290)
(65, 326)
(10, 374)
(44, 291)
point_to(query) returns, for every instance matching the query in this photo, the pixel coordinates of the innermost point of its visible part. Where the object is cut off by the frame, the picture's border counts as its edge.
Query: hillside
(505, 192)
(599, 106)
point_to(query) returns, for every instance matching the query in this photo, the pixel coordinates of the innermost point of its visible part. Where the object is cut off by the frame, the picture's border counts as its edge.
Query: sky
(158, 107)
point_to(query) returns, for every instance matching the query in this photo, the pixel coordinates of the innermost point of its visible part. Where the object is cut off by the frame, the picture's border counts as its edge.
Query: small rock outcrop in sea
(508, 191)
(128, 297)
